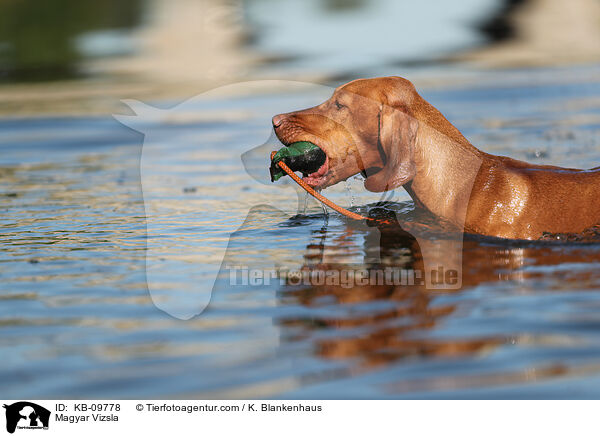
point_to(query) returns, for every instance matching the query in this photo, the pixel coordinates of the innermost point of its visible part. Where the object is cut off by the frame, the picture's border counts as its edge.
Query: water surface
(77, 318)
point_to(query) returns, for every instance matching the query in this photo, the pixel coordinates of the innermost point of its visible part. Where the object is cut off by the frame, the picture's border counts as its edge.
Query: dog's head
(367, 126)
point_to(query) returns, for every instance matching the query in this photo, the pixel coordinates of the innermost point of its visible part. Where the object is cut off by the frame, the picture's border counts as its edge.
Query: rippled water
(85, 264)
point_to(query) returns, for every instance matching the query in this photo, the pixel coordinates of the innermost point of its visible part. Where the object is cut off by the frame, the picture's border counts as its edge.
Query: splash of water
(350, 193)
(325, 211)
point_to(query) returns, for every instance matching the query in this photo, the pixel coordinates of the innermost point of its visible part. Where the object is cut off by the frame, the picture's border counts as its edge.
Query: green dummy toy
(301, 156)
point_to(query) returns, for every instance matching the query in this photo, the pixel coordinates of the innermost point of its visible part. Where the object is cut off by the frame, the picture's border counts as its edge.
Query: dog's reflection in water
(378, 322)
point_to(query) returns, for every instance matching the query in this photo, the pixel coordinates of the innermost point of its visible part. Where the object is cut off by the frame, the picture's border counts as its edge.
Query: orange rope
(315, 194)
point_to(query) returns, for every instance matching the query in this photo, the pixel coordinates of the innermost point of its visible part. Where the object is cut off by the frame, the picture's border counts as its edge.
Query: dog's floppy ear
(397, 136)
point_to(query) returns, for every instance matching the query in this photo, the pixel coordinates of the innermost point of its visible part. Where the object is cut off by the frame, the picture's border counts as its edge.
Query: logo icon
(26, 415)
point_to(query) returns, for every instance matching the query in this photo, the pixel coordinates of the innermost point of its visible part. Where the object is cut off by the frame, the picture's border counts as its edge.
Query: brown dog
(383, 128)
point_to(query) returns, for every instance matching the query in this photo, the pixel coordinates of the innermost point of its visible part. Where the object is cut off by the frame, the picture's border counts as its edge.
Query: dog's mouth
(323, 175)
(319, 177)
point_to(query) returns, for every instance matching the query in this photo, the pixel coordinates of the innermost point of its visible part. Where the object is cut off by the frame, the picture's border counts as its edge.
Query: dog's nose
(277, 120)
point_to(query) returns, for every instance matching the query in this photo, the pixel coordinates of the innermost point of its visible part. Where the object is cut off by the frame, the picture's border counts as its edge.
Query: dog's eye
(338, 105)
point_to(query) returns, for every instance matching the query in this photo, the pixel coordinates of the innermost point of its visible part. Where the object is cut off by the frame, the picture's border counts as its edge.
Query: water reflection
(370, 326)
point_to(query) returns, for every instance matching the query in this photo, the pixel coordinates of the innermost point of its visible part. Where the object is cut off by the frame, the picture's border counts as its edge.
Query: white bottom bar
(293, 417)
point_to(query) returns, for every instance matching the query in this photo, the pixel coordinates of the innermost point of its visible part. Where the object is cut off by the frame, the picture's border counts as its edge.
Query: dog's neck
(445, 174)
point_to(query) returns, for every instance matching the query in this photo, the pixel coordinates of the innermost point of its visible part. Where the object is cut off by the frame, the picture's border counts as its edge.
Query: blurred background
(79, 57)
(108, 233)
